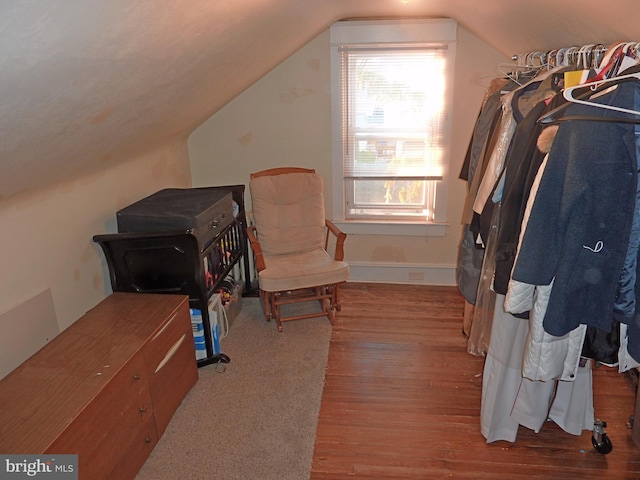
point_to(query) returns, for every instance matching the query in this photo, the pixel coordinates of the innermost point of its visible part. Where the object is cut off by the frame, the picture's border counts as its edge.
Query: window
(391, 84)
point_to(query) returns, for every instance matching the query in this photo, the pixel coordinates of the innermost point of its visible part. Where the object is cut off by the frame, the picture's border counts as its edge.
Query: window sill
(393, 228)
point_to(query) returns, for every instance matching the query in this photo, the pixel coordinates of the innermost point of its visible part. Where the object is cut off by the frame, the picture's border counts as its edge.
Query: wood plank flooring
(402, 401)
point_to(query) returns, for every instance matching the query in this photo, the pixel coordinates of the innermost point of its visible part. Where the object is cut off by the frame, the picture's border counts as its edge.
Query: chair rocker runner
(290, 238)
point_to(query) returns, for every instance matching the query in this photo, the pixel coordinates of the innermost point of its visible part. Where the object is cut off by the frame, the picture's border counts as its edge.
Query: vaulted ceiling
(86, 83)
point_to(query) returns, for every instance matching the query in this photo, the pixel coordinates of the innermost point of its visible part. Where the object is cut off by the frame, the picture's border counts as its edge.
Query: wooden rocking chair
(290, 238)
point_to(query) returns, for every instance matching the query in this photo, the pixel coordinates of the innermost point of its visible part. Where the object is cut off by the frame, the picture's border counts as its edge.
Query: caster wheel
(603, 446)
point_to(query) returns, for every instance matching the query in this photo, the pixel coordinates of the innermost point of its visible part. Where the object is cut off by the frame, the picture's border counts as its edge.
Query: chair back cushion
(288, 211)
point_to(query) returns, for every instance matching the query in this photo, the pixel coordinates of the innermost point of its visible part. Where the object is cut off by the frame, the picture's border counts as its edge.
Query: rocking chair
(290, 238)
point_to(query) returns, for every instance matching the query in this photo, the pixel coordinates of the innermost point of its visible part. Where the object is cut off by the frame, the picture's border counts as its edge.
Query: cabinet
(105, 388)
(175, 262)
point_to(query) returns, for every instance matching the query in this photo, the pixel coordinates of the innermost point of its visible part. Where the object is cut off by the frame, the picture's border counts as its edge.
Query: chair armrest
(340, 238)
(255, 246)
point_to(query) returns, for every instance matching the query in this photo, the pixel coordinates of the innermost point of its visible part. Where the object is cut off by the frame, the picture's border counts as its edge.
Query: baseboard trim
(404, 273)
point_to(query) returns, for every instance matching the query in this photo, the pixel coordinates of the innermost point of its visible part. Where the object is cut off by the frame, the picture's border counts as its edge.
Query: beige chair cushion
(288, 211)
(301, 270)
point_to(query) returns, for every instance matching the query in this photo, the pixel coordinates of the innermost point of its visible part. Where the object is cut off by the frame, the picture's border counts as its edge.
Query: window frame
(388, 32)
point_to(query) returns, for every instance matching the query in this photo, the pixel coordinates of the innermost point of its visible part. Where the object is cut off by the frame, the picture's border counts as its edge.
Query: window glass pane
(407, 198)
(390, 192)
(394, 114)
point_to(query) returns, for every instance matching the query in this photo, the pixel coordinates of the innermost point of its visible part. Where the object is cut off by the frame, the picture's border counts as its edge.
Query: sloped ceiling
(84, 84)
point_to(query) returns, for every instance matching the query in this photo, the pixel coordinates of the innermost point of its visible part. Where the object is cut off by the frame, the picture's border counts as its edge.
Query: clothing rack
(534, 88)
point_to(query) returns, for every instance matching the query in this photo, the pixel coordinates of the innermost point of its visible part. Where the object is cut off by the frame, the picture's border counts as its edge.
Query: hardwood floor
(402, 401)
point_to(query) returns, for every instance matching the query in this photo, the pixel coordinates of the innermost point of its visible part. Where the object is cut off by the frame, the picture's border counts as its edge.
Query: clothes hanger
(523, 68)
(552, 58)
(552, 118)
(561, 57)
(597, 54)
(543, 61)
(611, 61)
(571, 56)
(584, 57)
(595, 86)
(512, 73)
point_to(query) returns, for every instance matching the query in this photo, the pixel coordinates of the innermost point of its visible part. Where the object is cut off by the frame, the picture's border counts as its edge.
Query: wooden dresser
(105, 388)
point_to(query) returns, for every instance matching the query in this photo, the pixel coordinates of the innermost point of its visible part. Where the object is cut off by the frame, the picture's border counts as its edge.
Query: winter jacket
(578, 230)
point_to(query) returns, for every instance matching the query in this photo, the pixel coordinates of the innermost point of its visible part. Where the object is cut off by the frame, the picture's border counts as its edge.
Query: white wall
(284, 119)
(47, 243)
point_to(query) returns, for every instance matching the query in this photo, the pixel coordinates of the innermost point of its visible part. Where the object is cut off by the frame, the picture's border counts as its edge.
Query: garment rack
(607, 60)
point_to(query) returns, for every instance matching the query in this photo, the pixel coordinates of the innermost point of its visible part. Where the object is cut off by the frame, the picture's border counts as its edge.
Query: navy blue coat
(579, 227)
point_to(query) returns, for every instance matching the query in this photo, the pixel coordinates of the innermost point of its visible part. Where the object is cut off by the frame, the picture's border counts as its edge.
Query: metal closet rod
(585, 55)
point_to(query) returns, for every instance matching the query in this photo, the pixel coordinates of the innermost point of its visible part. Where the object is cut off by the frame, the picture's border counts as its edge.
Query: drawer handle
(136, 377)
(147, 440)
(166, 325)
(171, 352)
(143, 409)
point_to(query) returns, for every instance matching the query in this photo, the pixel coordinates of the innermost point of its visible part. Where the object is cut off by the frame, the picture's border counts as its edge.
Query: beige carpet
(258, 419)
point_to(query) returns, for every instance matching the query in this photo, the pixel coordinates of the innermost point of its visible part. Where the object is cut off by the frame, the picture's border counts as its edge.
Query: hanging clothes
(578, 231)
(560, 226)
(545, 357)
(470, 254)
(516, 105)
(481, 322)
(521, 167)
(510, 400)
(519, 378)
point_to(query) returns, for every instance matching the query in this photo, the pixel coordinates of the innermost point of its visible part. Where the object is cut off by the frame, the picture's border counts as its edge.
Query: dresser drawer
(171, 365)
(158, 348)
(176, 375)
(128, 391)
(122, 454)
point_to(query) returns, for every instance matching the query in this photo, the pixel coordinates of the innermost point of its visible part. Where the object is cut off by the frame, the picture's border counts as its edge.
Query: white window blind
(394, 115)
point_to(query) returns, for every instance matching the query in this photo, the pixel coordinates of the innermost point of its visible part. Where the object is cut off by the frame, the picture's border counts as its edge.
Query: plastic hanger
(517, 72)
(552, 58)
(561, 57)
(571, 56)
(552, 117)
(584, 57)
(568, 93)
